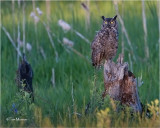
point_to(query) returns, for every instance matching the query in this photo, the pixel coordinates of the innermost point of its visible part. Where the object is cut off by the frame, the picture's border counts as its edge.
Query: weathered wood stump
(120, 84)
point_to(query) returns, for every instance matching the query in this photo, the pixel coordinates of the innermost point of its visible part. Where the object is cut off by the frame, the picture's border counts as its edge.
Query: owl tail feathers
(96, 60)
(96, 63)
(93, 63)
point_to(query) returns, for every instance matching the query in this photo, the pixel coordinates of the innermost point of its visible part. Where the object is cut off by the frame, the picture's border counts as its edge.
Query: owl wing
(97, 51)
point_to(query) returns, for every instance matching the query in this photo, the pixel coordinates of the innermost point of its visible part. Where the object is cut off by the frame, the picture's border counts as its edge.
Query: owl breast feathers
(105, 43)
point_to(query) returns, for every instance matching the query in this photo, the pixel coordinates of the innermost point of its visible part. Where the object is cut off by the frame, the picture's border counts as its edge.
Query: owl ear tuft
(114, 18)
(103, 17)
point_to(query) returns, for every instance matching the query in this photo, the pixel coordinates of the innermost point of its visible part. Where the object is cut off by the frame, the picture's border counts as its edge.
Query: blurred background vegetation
(62, 101)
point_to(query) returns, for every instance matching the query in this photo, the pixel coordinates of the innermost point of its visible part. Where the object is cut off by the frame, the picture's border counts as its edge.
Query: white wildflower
(28, 47)
(68, 42)
(32, 14)
(65, 26)
(39, 11)
(36, 19)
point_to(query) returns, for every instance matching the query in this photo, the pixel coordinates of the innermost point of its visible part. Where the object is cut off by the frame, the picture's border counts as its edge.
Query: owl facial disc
(109, 22)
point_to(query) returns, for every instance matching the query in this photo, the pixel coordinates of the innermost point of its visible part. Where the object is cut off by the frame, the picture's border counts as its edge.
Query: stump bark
(121, 84)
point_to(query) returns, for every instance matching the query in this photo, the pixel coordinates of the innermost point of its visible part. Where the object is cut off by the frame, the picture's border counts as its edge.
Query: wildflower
(39, 11)
(28, 47)
(68, 42)
(36, 19)
(65, 26)
(156, 102)
(13, 105)
(103, 118)
(154, 108)
(14, 109)
(32, 14)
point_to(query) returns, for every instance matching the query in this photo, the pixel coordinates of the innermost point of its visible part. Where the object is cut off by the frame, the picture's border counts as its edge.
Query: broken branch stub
(121, 84)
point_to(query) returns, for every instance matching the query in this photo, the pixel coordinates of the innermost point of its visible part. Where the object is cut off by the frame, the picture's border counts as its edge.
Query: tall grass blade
(158, 6)
(18, 39)
(81, 36)
(11, 40)
(87, 13)
(53, 78)
(124, 29)
(145, 29)
(51, 40)
(24, 46)
(13, 20)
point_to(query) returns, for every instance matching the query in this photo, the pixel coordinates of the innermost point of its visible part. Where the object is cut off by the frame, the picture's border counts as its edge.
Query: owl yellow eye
(112, 22)
(105, 22)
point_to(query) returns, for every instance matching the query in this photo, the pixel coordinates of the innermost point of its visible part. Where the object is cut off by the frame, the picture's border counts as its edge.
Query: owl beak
(108, 26)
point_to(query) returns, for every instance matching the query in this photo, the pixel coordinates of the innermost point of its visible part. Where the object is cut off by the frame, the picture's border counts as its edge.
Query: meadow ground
(75, 78)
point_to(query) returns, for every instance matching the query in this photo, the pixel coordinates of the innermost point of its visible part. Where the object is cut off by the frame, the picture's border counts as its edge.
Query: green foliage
(23, 103)
(54, 106)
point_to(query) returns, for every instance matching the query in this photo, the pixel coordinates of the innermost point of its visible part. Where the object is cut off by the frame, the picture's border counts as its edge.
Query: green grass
(56, 103)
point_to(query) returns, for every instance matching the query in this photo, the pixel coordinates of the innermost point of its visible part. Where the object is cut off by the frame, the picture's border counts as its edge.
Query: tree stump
(120, 84)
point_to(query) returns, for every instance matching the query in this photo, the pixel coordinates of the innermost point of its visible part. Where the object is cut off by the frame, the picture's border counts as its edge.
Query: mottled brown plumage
(105, 43)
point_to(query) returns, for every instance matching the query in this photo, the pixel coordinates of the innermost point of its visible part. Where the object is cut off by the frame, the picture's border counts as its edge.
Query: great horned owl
(105, 43)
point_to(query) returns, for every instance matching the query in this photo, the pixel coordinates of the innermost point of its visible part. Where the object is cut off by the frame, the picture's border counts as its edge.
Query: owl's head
(109, 22)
